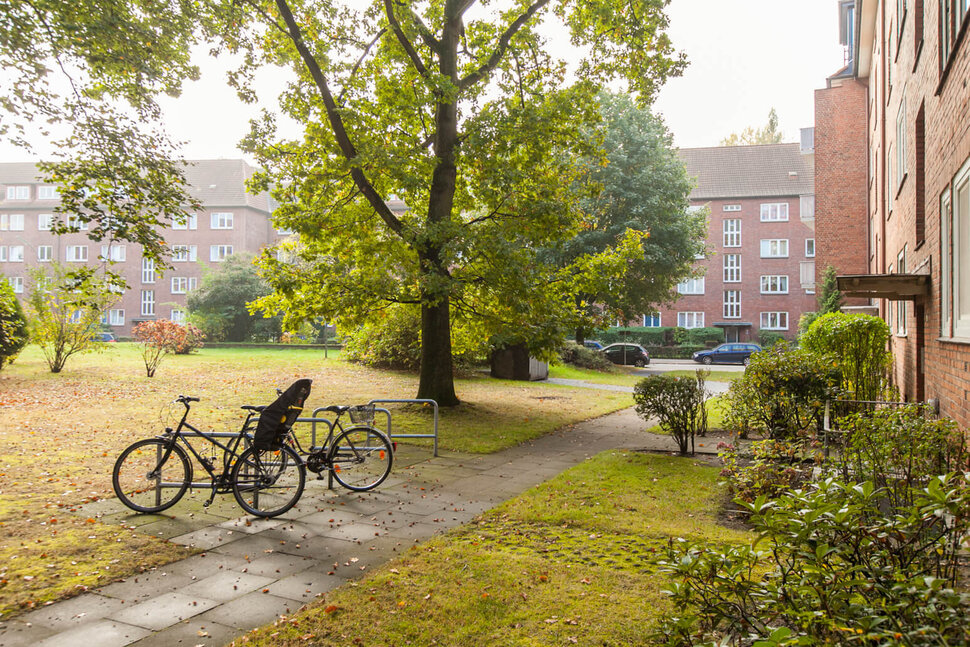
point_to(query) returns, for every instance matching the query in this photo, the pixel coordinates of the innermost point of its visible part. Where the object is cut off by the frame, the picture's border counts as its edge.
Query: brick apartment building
(231, 221)
(760, 272)
(905, 89)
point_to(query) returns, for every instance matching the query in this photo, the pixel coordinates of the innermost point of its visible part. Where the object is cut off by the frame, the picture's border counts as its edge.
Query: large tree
(460, 109)
(640, 184)
(218, 306)
(767, 134)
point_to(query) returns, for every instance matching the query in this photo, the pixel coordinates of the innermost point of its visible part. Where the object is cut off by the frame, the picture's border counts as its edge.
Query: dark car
(593, 344)
(104, 337)
(627, 354)
(733, 353)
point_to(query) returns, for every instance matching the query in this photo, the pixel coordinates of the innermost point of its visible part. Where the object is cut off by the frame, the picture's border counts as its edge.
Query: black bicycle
(262, 465)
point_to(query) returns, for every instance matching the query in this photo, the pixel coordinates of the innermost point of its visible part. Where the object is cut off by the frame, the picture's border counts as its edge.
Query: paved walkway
(253, 571)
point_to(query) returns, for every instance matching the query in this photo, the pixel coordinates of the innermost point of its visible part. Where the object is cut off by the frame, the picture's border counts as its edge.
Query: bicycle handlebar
(185, 399)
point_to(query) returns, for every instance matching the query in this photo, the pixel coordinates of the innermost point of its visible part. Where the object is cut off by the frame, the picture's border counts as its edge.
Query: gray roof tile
(749, 171)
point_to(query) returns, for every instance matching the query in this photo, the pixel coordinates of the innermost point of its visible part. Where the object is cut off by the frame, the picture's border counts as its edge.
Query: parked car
(105, 337)
(593, 344)
(733, 353)
(627, 354)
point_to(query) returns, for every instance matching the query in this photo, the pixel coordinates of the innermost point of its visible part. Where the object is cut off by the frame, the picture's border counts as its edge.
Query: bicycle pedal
(205, 504)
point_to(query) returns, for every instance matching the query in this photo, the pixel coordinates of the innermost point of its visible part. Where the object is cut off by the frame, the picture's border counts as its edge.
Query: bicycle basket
(362, 414)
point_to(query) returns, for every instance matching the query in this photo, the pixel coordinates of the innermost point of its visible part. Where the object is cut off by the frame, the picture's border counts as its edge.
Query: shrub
(678, 404)
(777, 467)
(830, 567)
(13, 325)
(858, 343)
(161, 337)
(583, 357)
(768, 338)
(782, 392)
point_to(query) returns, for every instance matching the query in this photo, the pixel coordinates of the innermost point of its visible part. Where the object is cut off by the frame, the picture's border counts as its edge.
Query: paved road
(253, 571)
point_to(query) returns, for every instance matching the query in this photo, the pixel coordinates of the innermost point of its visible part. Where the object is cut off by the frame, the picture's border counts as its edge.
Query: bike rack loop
(315, 419)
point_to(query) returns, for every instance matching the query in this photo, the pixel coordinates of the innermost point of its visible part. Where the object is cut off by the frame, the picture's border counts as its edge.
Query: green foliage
(782, 392)
(13, 325)
(768, 338)
(677, 403)
(66, 312)
(663, 336)
(805, 322)
(161, 337)
(833, 566)
(776, 467)
(219, 307)
(858, 344)
(583, 357)
(769, 134)
(829, 297)
(899, 448)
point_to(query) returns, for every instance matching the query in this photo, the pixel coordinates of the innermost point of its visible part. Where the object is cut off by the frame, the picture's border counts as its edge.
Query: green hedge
(664, 337)
(684, 351)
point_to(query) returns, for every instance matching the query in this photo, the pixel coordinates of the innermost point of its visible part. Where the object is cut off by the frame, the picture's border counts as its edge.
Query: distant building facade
(760, 271)
(912, 59)
(231, 221)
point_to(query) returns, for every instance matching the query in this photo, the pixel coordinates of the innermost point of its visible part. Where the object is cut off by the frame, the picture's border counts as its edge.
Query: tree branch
(503, 44)
(336, 122)
(360, 61)
(403, 40)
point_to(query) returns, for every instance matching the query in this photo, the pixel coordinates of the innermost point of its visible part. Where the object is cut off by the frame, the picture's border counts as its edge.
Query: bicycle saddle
(249, 407)
(336, 408)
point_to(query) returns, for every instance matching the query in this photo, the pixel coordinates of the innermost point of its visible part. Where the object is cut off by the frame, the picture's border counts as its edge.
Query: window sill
(961, 341)
(902, 183)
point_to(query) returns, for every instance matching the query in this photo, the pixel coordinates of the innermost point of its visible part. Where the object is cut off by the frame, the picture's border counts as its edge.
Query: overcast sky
(746, 56)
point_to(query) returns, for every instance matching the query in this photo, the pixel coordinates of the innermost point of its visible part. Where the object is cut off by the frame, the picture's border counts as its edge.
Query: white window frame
(774, 212)
(732, 304)
(116, 317)
(767, 245)
(774, 284)
(732, 268)
(18, 192)
(76, 253)
(649, 319)
(809, 243)
(901, 143)
(692, 319)
(960, 246)
(115, 253)
(45, 221)
(183, 284)
(184, 253)
(732, 232)
(177, 315)
(45, 253)
(774, 320)
(901, 305)
(221, 220)
(148, 303)
(148, 273)
(47, 192)
(691, 286)
(16, 254)
(946, 271)
(191, 222)
(219, 253)
(11, 222)
(731, 207)
(75, 222)
(3, 253)
(17, 283)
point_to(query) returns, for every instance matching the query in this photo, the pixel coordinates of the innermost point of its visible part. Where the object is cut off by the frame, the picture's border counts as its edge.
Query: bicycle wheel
(361, 458)
(268, 482)
(144, 482)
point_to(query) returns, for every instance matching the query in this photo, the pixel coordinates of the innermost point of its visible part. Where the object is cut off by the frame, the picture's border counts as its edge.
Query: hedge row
(664, 336)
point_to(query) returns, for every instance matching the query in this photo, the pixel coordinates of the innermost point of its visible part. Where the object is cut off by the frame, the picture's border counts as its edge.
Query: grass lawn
(567, 562)
(716, 410)
(626, 376)
(60, 435)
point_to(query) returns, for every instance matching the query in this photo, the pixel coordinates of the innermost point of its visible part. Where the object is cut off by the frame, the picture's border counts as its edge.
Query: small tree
(858, 344)
(678, 404)
(829, 297)
(219, 306)
(66, 313)
(13, 325)
(161, 337)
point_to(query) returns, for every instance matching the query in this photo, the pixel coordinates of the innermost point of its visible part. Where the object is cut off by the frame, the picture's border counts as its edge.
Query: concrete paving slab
(250, 525)
(204, 564)
(249, 547)
(208, 537)
(16, 633)
(250, 611)
(103, 633)
(191, 633)
(143, 586)
(73, 613)
(306, 586)
(163, 611)
(227, 585)
(279, 565)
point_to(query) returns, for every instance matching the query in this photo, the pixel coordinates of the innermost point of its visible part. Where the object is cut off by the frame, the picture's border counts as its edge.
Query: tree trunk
(437, 377)
(580, 336)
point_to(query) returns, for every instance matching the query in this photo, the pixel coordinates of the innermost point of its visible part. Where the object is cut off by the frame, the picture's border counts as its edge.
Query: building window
(690, 319)
(732, 304)
(774, 321)
(920, 144)
(114, 253)
(16, 254)
(178, 316)
(17, 283)
(731, 207)
(18, 193)
(774, 248)
(45, 253)
(806, 208)
(901, 144)
(3, 253)
(192, 222)
(691, 286)
(11, 222)
(901, 305)
(116, 317)
(806, 272)
(732, 268)
(221, 220)
(218, 253)
(77, 253)
(76, 224)
(809, 248)
(44, 221)
(76, 316)
(958, 267)
(147, 270)
(182, 284)
(946, 266)
(651, 320)
(774, 284)
(952, 14)
(732, 232)
(148, 303)
(45, 192)
(891, 175)
(184, 253)
(774, 212)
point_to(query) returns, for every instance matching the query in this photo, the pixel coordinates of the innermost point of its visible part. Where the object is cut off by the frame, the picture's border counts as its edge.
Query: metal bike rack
(316, 419)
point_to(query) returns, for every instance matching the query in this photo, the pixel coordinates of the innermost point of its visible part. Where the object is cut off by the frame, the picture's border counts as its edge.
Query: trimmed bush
(768, 338)
(583, 357)
(161, 337)
(13, 325)
(673, 352)
(678, 404)
(858, 343)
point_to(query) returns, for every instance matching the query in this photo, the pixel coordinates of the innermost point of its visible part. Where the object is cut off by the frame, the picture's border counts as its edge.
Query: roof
(215, 183)
(767, 170)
